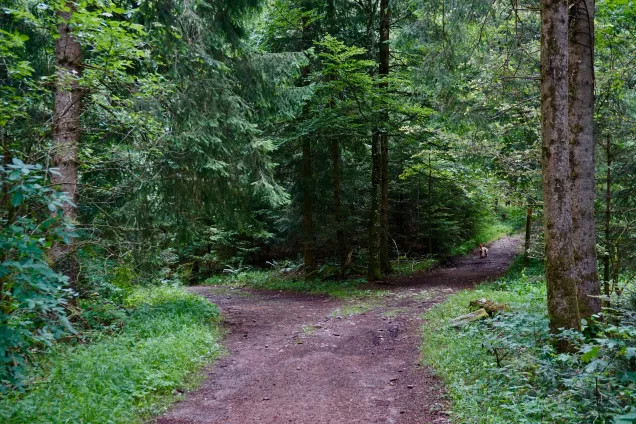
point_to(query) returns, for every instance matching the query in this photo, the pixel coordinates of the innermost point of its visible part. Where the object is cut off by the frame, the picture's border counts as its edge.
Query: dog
(483, 251)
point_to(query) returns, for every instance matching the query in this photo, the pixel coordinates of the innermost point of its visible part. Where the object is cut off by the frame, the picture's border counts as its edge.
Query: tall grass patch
(127, 376)
(505, 370)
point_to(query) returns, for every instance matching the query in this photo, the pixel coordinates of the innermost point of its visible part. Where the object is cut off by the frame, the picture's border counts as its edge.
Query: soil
(298, 358)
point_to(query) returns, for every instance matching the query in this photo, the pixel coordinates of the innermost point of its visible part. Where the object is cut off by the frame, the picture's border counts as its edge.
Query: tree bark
(582, 146)
(307, 172)
(385, 261)
(608, 218)
(331, 17)
(337, 197)
(374, 271)
(526, 249)
(66, 133)
(429, 207)
(563, 307)
(385, 17)
(308, 222)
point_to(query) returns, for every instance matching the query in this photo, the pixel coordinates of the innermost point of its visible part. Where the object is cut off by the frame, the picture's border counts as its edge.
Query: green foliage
(127, 376)
(505, 369)
(407, 266)
(488, 230)
(287, 280)
(32, 295)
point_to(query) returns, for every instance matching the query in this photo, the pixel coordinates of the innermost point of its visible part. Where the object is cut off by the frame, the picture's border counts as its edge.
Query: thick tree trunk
(526, 249)
(582, 146)
(562, 291)
(66, 132)
(608, 219)
(308, 209)
(385, 17)
(337, 197)
(374, 271)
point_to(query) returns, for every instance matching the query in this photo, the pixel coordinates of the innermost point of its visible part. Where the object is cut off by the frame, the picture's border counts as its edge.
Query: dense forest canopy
(161, 142)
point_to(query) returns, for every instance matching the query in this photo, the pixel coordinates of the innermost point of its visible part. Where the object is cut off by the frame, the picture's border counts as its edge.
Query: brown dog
(483, 251)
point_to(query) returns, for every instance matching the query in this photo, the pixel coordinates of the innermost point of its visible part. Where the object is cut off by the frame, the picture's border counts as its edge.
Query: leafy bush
(504, 369)
(125, 377)
(32, 295)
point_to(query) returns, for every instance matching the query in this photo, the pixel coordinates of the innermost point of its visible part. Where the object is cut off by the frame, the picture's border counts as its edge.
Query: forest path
(297, 358)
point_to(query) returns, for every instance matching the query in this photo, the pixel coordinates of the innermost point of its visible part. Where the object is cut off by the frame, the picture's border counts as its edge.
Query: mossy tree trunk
(308, 209)
(608, 218)
(374, 271)
(337, 197)
(66, 133)
(526, 248)
(385, 18)
(307, 171)
(582, 146)
(563, 306)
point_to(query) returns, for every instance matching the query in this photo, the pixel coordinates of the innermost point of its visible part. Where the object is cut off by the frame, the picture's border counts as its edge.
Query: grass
(125, 377)
(357, 307)
(505, 370)
(405, 266)
(492, 228)
(275, 281)
(486, 234)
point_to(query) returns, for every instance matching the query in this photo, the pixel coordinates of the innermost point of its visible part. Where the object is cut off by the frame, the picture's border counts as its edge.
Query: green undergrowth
(485, 235)
(126, 376)
(276, 281)
(407, 266)
(493, 228)
(505, 370)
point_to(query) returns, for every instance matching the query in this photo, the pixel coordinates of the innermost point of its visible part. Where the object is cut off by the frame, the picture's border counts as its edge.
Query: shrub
(504, 369)
(126, 376)
(32, 295)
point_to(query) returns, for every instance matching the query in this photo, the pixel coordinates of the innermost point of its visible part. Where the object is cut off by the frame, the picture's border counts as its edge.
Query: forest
(318, 211)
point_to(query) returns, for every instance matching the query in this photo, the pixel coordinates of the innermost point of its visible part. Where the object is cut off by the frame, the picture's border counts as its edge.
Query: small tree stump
(492, 308)
(468, 318)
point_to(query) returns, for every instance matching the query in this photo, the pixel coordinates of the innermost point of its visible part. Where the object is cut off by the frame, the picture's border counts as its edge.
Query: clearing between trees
(313, 359)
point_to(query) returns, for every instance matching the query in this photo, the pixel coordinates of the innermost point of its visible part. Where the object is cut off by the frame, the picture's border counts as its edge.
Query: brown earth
(297, 358)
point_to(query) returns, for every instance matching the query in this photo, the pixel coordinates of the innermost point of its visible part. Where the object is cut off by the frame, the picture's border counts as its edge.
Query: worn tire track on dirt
(292, 359)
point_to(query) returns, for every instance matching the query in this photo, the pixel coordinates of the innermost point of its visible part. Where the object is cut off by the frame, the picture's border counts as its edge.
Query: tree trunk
(307, 180)
(337, 197)
(561, 287)
(374, 271)
(526, 249)
(385, 17)
(385, 261)
(66, 132)
(429, 206)
(310, 260)
(608, 217)
(331, 17)
(582, 146)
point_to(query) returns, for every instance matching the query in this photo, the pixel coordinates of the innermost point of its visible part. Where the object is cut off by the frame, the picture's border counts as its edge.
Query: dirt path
(304, 359)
